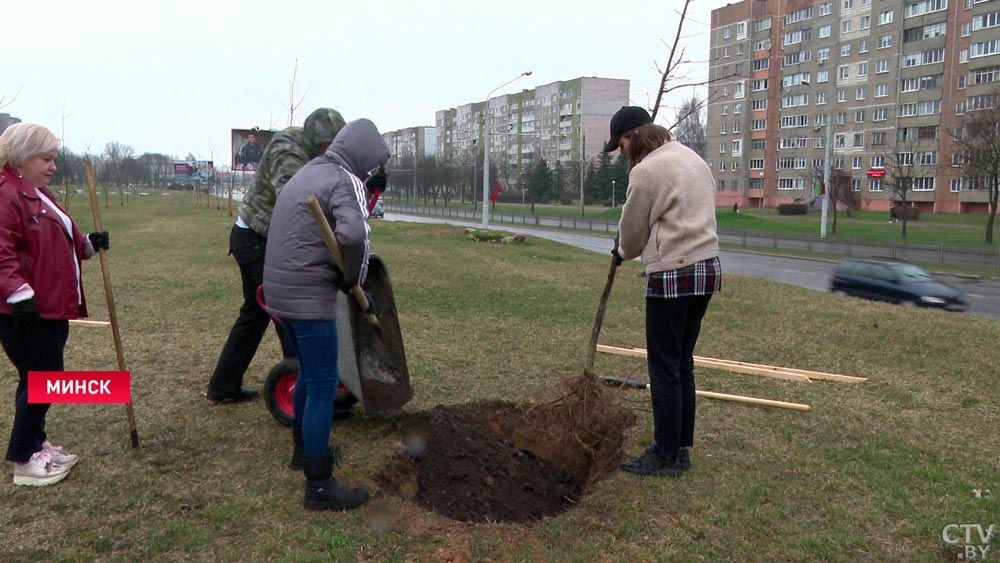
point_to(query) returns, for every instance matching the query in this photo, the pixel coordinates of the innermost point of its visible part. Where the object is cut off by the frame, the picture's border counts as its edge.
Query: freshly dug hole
(506, 462)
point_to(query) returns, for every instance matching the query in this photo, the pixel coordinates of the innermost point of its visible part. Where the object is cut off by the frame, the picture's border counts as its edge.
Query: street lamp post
(486, 151)
(827, 165)
(612, 193)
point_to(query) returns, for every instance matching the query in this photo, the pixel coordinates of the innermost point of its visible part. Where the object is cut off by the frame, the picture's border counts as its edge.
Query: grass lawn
(874, 473)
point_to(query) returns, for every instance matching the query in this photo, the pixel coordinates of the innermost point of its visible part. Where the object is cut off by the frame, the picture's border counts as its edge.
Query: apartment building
(879, 87)
(405, 143)
(564, 121)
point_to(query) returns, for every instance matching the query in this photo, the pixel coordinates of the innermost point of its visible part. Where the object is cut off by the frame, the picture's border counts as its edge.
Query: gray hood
(359, 148)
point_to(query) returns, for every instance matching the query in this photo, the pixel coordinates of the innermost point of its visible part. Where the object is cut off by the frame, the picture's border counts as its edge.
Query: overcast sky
(176, 77)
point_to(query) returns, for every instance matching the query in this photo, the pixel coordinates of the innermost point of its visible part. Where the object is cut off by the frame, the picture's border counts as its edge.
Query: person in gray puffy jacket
(301, 286)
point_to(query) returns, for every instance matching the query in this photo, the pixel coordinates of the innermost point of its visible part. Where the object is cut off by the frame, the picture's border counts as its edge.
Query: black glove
(26, 312)
(378, 180)
(614, 252)
(100, 240)
(372, 308)
(340, 283)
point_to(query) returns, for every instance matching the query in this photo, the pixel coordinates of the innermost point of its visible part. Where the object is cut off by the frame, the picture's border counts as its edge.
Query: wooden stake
(753, 401)
(743, 367)
(88, 323)
(94, 208)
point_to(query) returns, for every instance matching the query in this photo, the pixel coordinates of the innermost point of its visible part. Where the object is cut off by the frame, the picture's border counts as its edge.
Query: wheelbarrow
(370, 358)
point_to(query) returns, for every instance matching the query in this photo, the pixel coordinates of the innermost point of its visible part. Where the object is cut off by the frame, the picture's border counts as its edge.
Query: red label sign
(876, 172)
(79, 387)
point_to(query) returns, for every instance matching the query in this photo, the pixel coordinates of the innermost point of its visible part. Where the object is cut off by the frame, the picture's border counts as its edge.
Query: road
(983, 295)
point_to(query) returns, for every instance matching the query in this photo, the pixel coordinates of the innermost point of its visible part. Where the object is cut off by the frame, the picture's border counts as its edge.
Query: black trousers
(672, 328)
(31, 349)
(247, 247)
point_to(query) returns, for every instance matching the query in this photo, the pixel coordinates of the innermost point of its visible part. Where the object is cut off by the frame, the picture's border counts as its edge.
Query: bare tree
(293, 105)
(980, 141)
(690, 126)
(904, 168)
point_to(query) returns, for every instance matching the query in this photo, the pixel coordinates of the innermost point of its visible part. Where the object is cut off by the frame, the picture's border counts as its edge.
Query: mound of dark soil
(502, 462)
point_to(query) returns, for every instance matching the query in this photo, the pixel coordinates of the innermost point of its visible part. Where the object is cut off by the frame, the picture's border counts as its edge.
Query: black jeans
(30, 349)
(247, 247)
(672, 328)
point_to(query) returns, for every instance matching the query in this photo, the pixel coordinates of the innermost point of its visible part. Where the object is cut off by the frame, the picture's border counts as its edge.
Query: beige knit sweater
(669, 212)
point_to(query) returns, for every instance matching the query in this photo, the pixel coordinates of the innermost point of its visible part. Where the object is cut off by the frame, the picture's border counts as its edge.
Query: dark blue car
(894, 281)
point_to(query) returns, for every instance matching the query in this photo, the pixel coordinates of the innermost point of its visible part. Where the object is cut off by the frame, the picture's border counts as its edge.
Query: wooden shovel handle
(331, 243)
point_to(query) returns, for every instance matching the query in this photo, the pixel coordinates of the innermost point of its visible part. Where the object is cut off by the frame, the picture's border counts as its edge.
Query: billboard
(194, 172)
(248, 146)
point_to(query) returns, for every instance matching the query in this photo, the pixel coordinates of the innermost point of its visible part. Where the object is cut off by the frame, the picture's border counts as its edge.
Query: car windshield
(911, 273)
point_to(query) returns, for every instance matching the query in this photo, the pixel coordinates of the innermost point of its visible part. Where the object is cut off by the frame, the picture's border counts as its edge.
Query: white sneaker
(59, 456)
(39, 471)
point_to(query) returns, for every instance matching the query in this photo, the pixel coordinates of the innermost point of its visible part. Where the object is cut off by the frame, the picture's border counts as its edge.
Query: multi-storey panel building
(563, 121)
(404, 144)
(885, 83)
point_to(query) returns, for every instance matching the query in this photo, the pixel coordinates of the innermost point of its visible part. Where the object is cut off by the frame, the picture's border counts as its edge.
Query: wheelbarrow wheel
(279, 393)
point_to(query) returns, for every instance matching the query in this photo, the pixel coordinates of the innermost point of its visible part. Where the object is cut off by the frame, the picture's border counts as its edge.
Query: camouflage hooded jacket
(283, 157)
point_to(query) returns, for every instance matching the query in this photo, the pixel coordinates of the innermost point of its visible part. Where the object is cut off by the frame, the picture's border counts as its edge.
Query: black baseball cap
(625, 120)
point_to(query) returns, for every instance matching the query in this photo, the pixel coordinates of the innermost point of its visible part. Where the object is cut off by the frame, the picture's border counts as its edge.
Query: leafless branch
(671, 64)
(3, 100)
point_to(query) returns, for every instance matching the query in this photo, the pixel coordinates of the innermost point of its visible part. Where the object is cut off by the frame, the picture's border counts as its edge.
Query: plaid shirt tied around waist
(700, 278)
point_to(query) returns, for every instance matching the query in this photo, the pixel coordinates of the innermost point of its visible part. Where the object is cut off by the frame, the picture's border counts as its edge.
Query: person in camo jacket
(288, 151)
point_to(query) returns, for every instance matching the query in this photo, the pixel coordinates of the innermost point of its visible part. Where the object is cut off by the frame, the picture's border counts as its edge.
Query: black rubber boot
(323, 492)
(684, 456)
(298, 452)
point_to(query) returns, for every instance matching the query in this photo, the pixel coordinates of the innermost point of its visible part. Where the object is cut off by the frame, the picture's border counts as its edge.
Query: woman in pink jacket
(669, 220)
(40, 290)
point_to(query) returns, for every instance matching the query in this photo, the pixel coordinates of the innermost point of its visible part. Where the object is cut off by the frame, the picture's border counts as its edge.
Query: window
(904, 159)
(865, 23)
(856, 163)
(986, 75)
(762, 64)
(820, 119)
(846, 5)
(757, 144)
(758, 124)
(820, 98)
(735, 165)
(863, 69)
(825, 31)
(928, 158)
(762, 24)
(823, 54)
(859, 142)
(760, 85)
(799, 15)
(791, 183)
(722, 148)
(986, 21)
(845, 50)
(841, 95)
(863, 46)
(878, 161)
(725, 109)
(757, 105)
(727, 32)
(875, 185)
(984, 48)
(797, 36)
(882, 66)
(756, 164)
(855, 185)
(885, 17)
(741, 31)
(793, 143)
(885, 41)
(762, 45)
(881, 90)
(725, 55)
(737, 108)
(878, 138)
(924, 184)
(822, 76)
(736, 127)
(843, 72)
(924, 7)
(879, 114)
(963, 82)
(826, 9)
(739, 91)
(722, 166)
(724, 129)
(859, 116)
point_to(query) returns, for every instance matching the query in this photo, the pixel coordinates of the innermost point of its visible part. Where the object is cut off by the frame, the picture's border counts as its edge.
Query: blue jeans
(315, 343)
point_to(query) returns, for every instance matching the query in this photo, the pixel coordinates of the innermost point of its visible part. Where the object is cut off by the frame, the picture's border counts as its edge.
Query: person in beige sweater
(669, 221)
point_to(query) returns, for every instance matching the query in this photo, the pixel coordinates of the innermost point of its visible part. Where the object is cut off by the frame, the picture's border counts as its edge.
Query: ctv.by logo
(966, 537)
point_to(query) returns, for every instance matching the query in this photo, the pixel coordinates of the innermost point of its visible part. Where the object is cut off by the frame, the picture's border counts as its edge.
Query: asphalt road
(983, 294)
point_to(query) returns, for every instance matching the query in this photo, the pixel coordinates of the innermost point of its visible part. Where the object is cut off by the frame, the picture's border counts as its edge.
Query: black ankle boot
(323, 492)
(298, 451)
